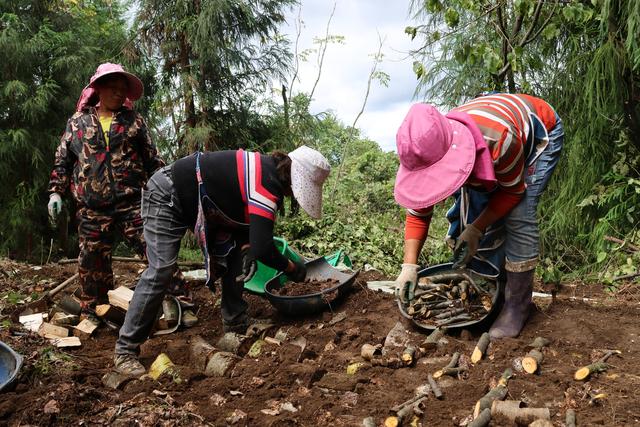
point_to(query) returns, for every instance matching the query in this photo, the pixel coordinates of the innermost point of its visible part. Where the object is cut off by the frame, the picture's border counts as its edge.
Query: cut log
(431, 341)
(541, 423)
(391, 422)
(409, 355)
(66, 342)
(120, 297)
(598, 366)
(220, 364)
(499, 392)
(570, 418)
(70, 305)
(110, 314)
(369, 422)
(63, 319)
(32, 322)
(235, 343)
(482, 420)
(434, 387)
(387, 362)
(47, 330)
(85, 328)
(201, 351)
(369, 351)
(115, 380)
(531, 362)
(513, 412)
(481, 348)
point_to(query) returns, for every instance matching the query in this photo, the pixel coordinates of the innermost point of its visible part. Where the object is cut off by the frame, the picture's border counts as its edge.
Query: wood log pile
(451, 298)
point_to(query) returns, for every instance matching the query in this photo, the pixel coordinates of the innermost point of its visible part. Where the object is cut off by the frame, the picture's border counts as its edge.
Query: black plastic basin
(300, 305)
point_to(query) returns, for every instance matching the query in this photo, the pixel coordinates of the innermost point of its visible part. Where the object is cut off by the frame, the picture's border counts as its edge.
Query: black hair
(283, 170)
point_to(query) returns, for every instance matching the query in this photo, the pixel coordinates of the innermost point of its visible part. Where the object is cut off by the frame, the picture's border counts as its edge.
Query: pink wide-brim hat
(437, 155)
(135, 86)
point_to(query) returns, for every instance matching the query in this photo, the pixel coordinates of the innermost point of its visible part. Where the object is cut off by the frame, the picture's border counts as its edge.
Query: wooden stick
(499, 392)
(110, 313)
(189, 264)
(368, 351)
(539, 342)
(482, 419)
(531, 362)
(431, 341)
(454, 319)
(570, 418)
(434, 387)
(450, 369)
(629, 246)
(449, 313)
(513, 411)
(598, 366)
(480, 349)
(409, 402)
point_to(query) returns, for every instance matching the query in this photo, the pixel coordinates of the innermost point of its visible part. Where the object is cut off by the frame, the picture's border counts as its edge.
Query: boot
(128, 364)
(517, 305)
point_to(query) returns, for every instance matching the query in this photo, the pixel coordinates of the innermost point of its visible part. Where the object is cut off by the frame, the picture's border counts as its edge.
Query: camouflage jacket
(99, 175)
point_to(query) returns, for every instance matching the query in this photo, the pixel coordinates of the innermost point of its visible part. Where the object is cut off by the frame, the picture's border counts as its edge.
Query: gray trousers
(164, 227)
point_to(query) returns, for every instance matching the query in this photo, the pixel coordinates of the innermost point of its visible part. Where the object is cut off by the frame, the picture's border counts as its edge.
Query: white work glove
(406, 282)
(467, 245)
(55, 206)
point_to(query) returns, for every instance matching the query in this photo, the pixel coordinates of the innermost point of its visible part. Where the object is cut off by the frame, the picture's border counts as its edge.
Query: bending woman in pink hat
(229, 199)
(506, 145)
(104, 158)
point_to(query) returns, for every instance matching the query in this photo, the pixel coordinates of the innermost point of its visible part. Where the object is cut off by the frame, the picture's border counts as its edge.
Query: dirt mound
(284, 385)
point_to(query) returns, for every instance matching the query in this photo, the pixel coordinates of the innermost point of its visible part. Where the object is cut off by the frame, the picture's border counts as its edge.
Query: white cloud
(346, 67)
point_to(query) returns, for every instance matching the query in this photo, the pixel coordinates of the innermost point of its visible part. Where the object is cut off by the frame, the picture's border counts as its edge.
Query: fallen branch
(623, 244)
(481, 348)
(513, 411)
(499, 392)
(451, 369)
(189, 264)
(598, 366)
(434, 387)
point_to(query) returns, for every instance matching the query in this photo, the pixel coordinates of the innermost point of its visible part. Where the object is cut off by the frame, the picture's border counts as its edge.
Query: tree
(216, 60)
(48, 51)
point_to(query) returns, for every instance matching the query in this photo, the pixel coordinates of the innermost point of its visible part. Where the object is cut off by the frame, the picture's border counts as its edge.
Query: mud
(307, 287)
(285, 386)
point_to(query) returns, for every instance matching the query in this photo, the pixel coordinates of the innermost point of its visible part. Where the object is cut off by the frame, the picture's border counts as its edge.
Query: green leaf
(412, 31)
(601, 257)
(418, 69)
(451, 17)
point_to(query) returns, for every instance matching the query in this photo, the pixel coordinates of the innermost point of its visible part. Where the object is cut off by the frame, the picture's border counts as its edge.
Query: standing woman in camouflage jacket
(104, 158)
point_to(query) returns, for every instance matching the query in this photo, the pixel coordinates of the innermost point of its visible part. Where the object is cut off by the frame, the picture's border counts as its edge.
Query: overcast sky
(346, 66)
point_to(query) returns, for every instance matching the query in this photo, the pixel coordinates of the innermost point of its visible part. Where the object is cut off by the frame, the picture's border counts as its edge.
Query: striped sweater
(506, 124)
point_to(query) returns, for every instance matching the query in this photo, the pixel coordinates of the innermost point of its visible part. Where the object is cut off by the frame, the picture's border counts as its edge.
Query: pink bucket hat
(309, 171)
(437, 156)
(135, 84)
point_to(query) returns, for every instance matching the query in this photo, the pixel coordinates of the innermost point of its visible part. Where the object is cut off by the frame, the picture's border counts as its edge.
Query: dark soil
(307, 287)
(285, 385)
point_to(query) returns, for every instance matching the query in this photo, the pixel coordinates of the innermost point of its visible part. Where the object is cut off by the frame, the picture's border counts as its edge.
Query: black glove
(249, 265)
(299, 272)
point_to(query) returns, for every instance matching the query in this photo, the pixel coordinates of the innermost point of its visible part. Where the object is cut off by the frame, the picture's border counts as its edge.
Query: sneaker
(189, 319)
(129, 365)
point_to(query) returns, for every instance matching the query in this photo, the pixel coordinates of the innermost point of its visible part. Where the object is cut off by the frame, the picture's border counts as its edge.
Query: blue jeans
(522, 234)
(164, 228)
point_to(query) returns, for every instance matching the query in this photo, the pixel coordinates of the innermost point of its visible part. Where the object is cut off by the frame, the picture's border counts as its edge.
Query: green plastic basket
(264, 273)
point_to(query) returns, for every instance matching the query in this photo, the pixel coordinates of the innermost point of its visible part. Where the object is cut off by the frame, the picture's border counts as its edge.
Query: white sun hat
(309, 170)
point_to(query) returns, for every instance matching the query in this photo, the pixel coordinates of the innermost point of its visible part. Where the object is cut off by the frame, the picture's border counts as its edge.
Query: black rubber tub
(301, 305)
(496, 302)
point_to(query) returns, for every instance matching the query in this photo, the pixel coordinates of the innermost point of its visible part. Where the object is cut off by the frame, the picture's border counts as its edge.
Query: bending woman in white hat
(229, 199)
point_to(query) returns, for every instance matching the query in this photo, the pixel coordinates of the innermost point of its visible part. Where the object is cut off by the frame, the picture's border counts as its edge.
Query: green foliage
(48, 51)
(216, 59)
